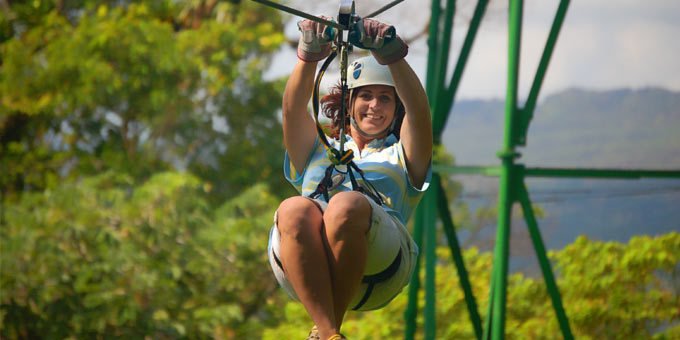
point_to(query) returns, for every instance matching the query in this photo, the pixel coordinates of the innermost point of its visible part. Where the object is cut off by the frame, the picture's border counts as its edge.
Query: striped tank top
(382, 161)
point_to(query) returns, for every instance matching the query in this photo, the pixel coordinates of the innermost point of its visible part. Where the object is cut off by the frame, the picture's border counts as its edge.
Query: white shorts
(390, 262)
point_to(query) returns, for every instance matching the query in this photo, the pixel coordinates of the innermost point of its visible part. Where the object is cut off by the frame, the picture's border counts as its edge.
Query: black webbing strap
(374, 279)
(337, 157)
(371, 280)
(324, 185)
(315, 97)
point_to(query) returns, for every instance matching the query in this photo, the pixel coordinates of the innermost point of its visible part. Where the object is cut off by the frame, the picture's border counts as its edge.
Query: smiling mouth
(373, 117)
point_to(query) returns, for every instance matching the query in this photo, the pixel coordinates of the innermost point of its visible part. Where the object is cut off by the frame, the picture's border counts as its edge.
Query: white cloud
(628, 44)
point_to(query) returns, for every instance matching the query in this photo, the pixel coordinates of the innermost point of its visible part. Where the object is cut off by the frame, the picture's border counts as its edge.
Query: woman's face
(374, 107)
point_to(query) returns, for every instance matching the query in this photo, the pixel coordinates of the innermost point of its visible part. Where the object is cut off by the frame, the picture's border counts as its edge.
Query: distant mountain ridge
(578, 128)
(620, 128)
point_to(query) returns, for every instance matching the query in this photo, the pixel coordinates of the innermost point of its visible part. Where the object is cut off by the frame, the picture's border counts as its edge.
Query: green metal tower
(511, 173)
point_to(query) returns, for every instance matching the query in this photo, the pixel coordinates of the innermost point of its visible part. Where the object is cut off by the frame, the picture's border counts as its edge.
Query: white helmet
(366, 71)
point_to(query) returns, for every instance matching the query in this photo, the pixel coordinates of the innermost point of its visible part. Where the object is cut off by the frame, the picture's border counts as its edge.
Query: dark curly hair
(330, 107)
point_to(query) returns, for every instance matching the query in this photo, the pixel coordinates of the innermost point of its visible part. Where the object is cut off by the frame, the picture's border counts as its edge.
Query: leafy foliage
(139, 88)
(609, 290)
(622, 291)
(102, 257)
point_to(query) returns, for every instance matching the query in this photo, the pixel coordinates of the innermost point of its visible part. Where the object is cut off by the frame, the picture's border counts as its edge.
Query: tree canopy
(139, 88)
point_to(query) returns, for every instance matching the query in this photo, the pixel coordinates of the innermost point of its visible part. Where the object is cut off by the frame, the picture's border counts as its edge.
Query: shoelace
(337, 337)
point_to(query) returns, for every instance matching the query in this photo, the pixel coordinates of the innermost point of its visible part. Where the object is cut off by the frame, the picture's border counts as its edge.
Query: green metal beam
(414, 285)
(457, 255)
(602, 173)
(489, 311)
(439, 110)
(514, 48)
(425, 225)
(501, 251)
(528, 111)
(410, 315)
(433, 47)
(543, 261)
(442, 63)
(511, 175)
(505, 193)
(452, 89)
(467, 170)
(429, 223)
(560, 172)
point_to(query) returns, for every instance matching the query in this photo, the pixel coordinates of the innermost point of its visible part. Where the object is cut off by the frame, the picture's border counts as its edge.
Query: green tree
(89, 86)
(100, 257)
(610, 291)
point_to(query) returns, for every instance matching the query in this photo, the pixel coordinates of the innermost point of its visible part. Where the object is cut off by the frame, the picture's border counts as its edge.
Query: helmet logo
(357, 70)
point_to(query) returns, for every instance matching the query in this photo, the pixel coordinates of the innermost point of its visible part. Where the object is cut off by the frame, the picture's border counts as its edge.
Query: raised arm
(298, 125)
(299, 131)
(416, 130)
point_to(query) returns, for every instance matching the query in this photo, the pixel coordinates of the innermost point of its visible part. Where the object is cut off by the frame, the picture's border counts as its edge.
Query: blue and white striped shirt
(384, 166)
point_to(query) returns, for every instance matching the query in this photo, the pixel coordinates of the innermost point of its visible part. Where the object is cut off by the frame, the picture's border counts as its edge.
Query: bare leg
(347, 221)
(304, 259)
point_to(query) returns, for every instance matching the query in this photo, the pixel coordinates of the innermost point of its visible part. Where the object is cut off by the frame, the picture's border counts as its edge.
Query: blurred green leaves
(139, 141)
(103, 257)
(140, 88)
(610, 291)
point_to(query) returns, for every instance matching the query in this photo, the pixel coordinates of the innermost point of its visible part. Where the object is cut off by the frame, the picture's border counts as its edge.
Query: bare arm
(416, 130)
(299, 129)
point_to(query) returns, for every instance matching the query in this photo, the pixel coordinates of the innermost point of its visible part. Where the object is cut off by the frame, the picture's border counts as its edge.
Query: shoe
(313, 334)
(337, 337)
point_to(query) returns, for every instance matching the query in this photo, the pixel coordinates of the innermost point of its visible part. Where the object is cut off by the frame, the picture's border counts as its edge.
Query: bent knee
(348, 212)
(298, 215)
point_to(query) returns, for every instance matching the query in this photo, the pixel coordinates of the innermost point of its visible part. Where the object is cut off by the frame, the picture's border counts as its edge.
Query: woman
(352, 252)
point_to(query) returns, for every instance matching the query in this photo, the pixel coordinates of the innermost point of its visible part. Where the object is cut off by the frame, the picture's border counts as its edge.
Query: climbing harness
(342, 162)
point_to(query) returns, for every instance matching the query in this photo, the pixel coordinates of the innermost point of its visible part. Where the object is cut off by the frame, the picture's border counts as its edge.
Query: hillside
(583, 129)
(576, 128)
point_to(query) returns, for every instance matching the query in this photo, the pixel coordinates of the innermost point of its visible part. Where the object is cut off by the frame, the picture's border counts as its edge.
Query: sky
(603, 44)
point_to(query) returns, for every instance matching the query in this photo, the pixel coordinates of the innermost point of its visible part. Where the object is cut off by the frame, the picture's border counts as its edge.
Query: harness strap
(370, 280)
(373, 280)
(372, 192)
(325, 184)
(337, 157)
(315, 102)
